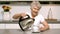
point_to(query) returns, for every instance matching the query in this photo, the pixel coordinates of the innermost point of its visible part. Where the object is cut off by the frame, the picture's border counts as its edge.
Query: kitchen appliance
(25, 23)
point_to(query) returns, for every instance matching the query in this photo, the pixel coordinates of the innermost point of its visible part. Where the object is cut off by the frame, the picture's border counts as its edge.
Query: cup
(35, 29)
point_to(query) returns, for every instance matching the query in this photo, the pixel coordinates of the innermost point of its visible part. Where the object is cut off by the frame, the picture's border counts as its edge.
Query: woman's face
(35, 10)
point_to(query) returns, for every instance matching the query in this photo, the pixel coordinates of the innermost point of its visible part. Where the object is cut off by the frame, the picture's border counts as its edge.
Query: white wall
(44, 10)
(54, 8)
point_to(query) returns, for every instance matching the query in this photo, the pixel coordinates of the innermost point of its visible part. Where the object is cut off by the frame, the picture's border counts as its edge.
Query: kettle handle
(20, 19)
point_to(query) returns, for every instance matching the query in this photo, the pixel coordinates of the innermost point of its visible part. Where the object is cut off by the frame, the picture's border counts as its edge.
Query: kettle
(25, 23)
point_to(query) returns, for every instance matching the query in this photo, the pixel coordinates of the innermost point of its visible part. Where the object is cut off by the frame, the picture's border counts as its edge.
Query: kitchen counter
(18, 31)
(14, 24)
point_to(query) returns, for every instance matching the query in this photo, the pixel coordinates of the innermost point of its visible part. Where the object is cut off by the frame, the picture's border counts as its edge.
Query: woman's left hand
(43, 29)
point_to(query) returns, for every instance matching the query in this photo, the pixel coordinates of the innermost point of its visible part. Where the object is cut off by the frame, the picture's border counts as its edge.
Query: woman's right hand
(23, 14)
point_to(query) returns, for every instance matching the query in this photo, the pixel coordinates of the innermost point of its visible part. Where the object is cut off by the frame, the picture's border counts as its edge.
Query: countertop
(18, 31)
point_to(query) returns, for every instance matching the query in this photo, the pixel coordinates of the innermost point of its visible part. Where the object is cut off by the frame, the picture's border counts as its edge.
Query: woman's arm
(16, 16)
(46, 26)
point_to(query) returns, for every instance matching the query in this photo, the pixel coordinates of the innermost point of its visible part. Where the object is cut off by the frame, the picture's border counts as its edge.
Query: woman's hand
(43, 29)
(23, 14)
(46, 26)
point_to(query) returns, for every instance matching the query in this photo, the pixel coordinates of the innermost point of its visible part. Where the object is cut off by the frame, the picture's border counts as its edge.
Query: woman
(35, 7)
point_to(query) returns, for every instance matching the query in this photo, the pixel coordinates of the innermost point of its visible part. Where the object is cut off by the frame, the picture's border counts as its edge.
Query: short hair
(35, 3)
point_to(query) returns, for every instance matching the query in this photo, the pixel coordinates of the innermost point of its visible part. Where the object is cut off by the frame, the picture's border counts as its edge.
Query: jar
(6, 16)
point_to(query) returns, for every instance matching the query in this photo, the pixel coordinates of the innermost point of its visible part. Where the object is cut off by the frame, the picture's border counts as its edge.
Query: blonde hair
(35, 3)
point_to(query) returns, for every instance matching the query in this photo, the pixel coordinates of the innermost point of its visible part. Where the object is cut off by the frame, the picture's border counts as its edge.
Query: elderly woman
(35, 7)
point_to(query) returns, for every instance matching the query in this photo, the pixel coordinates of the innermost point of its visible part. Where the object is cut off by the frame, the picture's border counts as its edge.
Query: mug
(35, 29)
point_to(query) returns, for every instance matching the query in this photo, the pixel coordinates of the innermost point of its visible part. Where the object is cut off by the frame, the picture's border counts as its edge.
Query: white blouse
(38, 19)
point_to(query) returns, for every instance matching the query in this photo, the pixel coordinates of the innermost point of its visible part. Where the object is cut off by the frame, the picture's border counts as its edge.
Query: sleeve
(42, 18)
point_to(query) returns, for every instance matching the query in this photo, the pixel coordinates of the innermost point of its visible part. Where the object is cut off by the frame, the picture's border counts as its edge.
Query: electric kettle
(25, 23)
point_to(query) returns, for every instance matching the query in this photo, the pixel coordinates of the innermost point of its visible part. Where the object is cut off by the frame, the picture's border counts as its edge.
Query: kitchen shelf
(16, 22)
